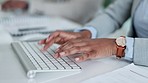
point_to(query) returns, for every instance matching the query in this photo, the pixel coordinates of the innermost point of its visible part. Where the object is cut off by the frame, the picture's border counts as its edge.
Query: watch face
(121, 41)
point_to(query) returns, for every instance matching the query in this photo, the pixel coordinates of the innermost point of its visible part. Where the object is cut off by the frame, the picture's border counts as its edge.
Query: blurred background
(80, 11)
(18, 15)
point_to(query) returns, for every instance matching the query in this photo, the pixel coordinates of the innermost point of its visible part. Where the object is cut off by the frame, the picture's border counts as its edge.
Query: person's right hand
(14, 4)
(60, 37)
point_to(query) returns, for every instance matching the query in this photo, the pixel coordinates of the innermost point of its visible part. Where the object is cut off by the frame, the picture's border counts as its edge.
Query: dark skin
(14, 4)
(80, 42)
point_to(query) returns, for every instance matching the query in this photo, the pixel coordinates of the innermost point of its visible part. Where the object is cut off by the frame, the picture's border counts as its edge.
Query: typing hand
(61, 37)
(14, 4)
(90, 48)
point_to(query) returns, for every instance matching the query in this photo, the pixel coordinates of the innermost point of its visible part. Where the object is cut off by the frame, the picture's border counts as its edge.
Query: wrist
(114, 47)
(120, 45)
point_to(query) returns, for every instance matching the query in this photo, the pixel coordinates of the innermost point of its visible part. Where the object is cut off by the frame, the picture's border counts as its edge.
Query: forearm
(137, 50)
(112, 18)
(140, 55)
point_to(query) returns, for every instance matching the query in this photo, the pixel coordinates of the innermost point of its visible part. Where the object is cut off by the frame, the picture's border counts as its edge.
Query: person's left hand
(90, 48)
(14, 4)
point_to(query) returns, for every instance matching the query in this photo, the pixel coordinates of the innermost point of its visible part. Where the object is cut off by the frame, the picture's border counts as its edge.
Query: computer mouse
(33, 37)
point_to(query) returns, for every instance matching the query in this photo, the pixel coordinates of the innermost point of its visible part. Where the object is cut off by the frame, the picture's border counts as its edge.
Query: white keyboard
(35, 60)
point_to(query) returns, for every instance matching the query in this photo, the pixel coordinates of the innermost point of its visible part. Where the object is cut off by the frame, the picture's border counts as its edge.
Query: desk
(11, 70)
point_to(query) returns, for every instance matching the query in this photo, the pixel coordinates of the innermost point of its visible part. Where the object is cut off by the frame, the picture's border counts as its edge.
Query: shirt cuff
(129, 49)
(90, 28)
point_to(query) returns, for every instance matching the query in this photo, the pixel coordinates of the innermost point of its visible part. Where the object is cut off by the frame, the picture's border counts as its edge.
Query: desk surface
(11, 70)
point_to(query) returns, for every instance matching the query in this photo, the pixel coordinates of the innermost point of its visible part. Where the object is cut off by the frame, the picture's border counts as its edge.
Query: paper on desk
(127, 74)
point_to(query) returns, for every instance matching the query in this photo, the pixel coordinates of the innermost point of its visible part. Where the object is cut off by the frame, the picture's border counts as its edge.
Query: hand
(14, 4)
(90, 48)
(60, 37)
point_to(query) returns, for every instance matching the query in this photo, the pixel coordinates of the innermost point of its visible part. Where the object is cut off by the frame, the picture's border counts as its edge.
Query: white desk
(11, 71)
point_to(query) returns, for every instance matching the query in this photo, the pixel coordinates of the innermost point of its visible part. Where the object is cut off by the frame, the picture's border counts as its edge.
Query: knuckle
(67, 52)
(87, 55)
(82, 58)
(89, 48)
(55, 33)
(94, 54)
(78, 48)
(84, 43)
(71, 44)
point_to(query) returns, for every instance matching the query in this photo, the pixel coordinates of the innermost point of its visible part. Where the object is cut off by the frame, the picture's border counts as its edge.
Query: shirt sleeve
(90, 28)
(129, 49)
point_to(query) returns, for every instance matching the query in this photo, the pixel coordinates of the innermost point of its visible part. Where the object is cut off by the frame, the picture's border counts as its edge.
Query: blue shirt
(140, 23)
(141, 19)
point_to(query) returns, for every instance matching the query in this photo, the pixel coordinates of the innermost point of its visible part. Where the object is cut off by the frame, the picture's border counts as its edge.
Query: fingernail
(57, 50)
(77, 59)
(62, 53)
(56, 55)
(47, 40)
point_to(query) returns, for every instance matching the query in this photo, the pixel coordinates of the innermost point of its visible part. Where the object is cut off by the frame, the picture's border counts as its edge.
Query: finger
(63, 45)
(71, 45)
(52, 36)
(73, 42)
(48, 42)
(66, 35)
(75, 50)
(58, 40)
(86, 56)
(61, 41)
(57, 55)
(49, 39)
(42, 41)
(60, 48)
(46, 46)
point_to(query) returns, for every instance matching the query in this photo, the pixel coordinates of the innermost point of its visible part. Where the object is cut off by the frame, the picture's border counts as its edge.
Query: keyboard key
(46, 60)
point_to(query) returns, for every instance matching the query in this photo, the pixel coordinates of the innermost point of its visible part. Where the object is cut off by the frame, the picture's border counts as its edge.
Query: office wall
(77, 10)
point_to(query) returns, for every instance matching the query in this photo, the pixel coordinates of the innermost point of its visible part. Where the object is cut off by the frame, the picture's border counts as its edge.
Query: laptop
(35, 61)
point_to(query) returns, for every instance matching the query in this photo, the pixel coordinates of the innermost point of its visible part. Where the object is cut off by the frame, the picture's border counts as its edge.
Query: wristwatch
(120, 45)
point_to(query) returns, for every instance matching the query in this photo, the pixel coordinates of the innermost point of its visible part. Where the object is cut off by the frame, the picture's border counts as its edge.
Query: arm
(12, 5)
(100, 48)
(136, 50)
(140, 51)
(112, 18)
